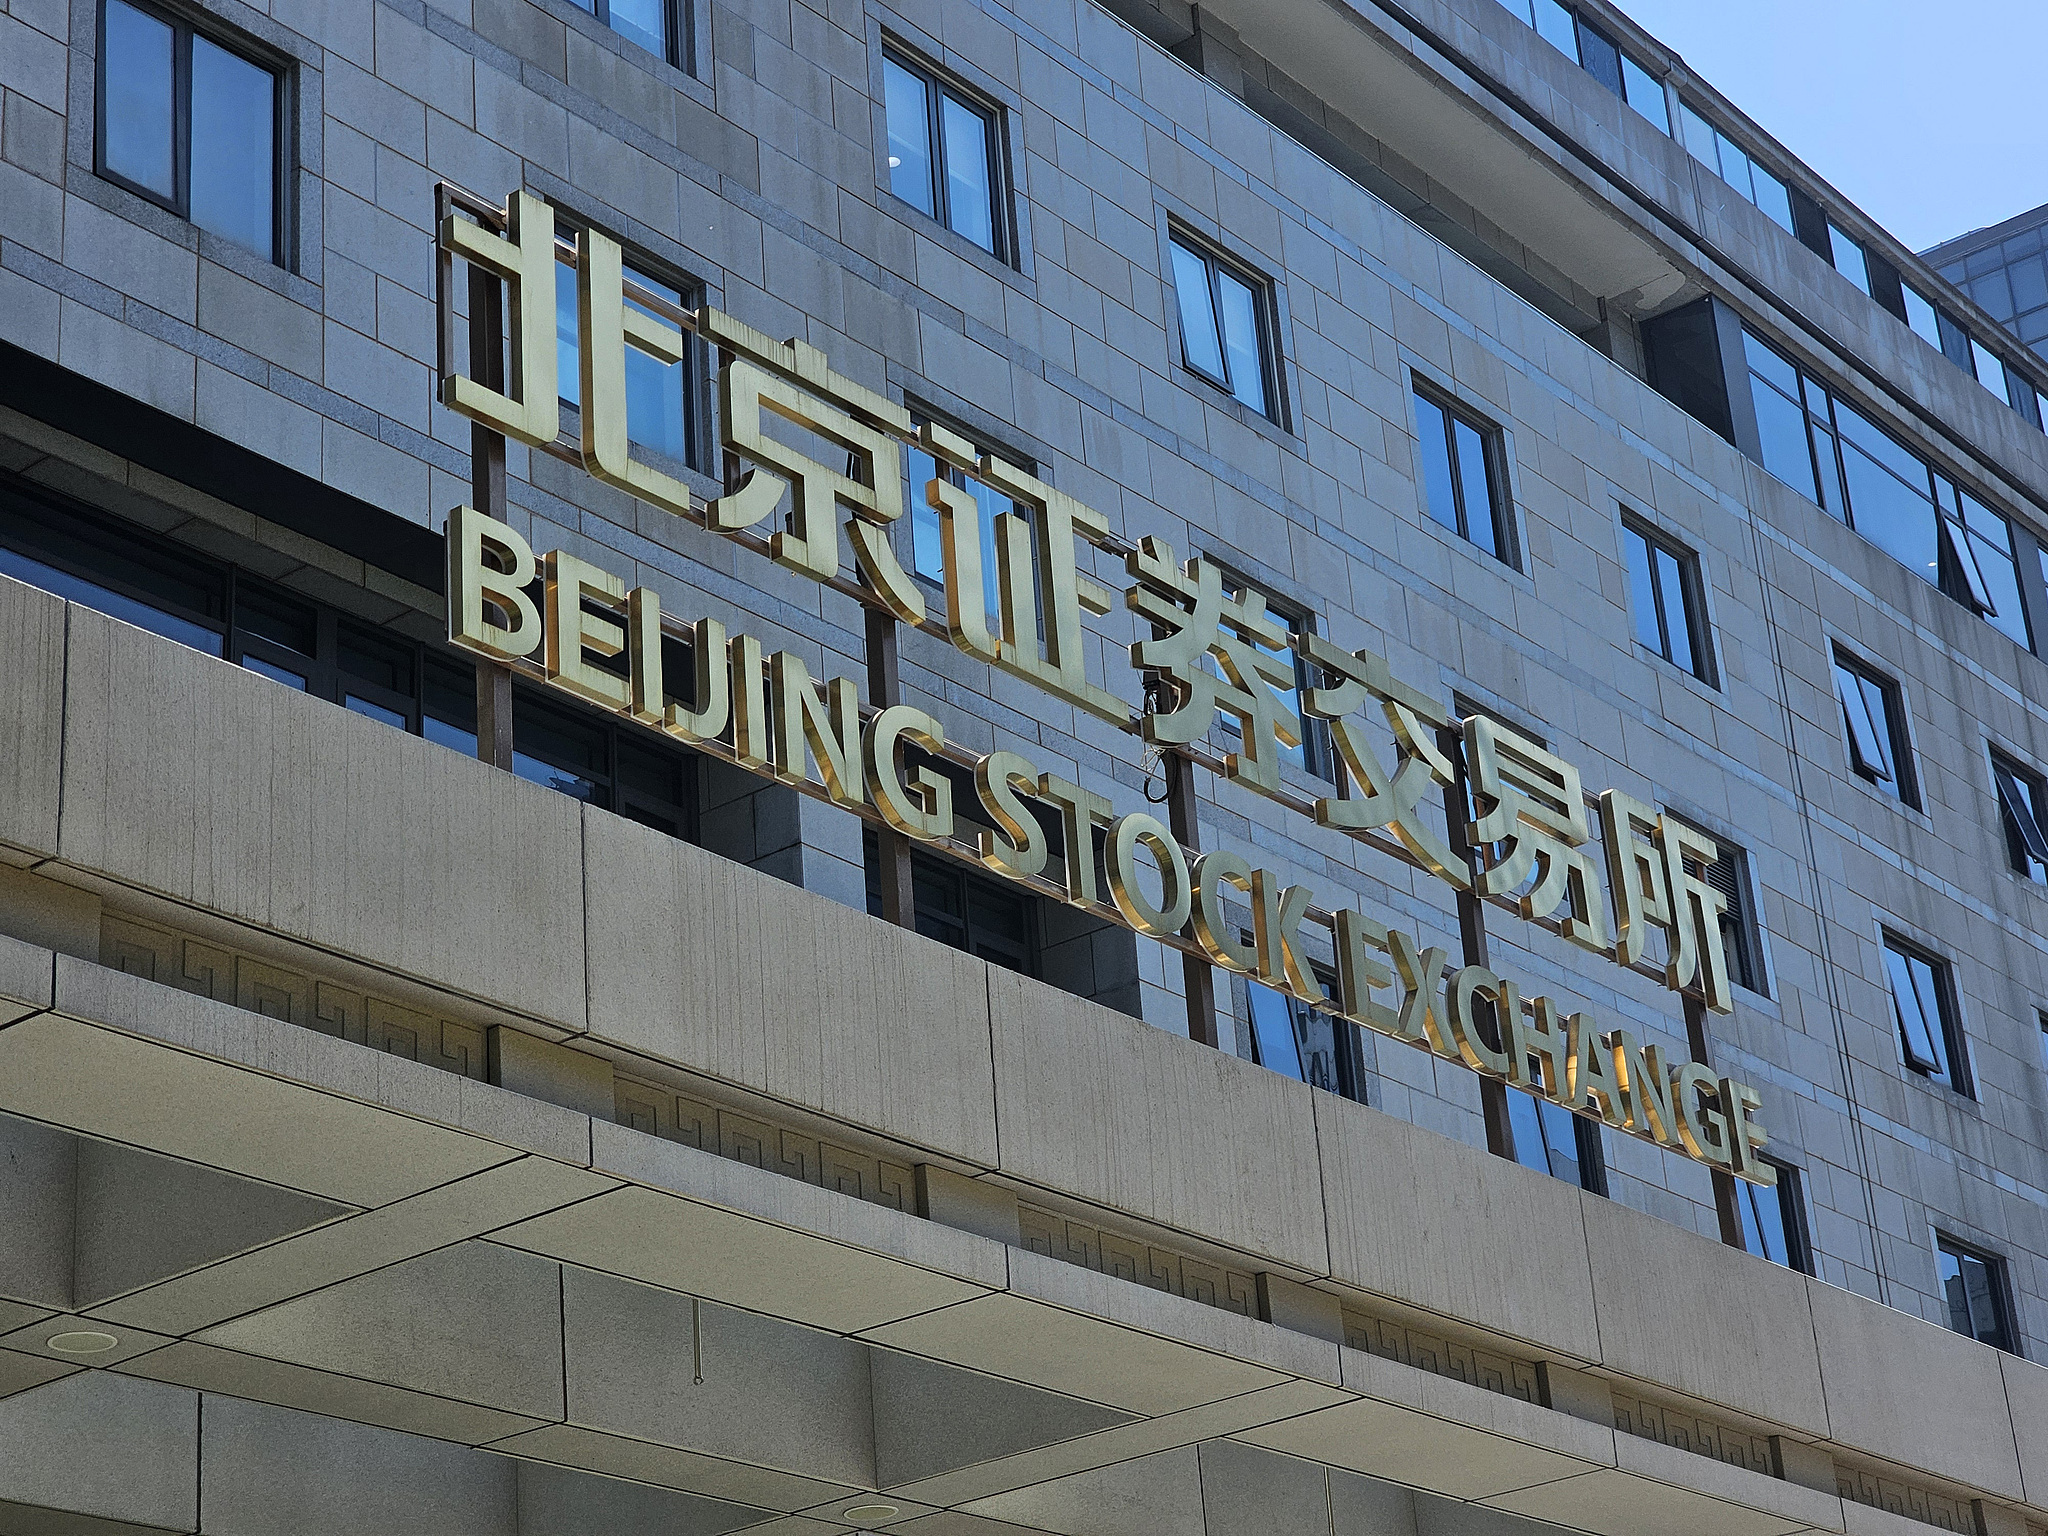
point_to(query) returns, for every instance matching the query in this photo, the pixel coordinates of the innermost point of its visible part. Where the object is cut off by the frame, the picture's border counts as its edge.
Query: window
(1849, 257)
(1664, 583)
(957, 907)
(1553, 1140)
(313, 648)
(1463, 476)
(2023, 810)
(1729, 874)
(1728, 160)
(1313, 755)
(1834, 455)
(1921, 316)
(649, 23)
(1287, 1036)
(1973, 1286)
(1873, 714)
(944, 154)
(188, 123)
(1924, 1008)
(928, 555)
(1598, 55)
(1774, 1220)
(1226, 331)
(660, 397)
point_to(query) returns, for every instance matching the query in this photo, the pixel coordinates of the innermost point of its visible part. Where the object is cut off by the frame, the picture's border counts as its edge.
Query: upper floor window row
(1599, 55)
(192, 124)
(1833, 454)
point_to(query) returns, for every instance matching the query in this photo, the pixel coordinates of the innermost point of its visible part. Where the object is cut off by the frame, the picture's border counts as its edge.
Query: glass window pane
(1671, 592)
(1869, 740)
(362, 706)
(139, 113)
(1527, 1123)
(1561, 1142)
(970, 200)
(2002, 582)
(1645, 94)
(568, 355)
(1849, 258)
(1199, 339)
(234, 147)
(1959, 551)
(1433, 450)
(926, 542)
(115, 605)
(1556, 26)
(657, 404)
(1241, 342)
(1782, 427)
(1642, 589)
(1920, 316)
(1273, 1035)
(1994, 291)
(1917, 1031)
(1700, 138)
(906, 102)
(1474, 477)
(1735, 167)
(2029, 285)
(1772, 197)
(1763, 1222)
(993, 505)
(1883, 447)
(1764, 360)
(1602, 60)
(1990, 371)
(277, 674)
(1891, 516)
(642, 21)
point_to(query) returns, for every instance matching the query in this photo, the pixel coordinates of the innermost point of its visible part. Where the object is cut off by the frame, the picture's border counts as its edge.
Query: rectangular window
(1849, 258)
(1313, 755)
(1989, 370)
(1463, 476)
(1923, 1007)
(1291, 1038)
(1664, 583)
(983, 917)
(1920, 315)
(2023, 812)
(1873, 714)
(945, 153)
(1645, 93)
(1226, 329)
(660, 396)
(1556, 26)
(190, 124)
(1553, 1140)
(1774, 1220)
(650, 23)
(1727, 159)
(927, 541)
(1973, 1287)
(1740, 939)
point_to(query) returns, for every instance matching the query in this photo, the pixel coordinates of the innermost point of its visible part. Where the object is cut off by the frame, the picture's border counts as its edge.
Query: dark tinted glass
(270, 615)
(234, 153)
(1601, 58)
(1970, 1285)
(139, 140)
(117, 605)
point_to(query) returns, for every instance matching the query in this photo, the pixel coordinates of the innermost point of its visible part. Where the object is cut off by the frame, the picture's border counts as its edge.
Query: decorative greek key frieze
(1112, 1253)
(1442, 1357)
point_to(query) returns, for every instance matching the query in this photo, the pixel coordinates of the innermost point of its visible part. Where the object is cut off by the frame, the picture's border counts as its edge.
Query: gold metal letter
(922, 805)
(831, 726)
(1081, 812)
(524, 256)
(473, 581)
(573, 630)
(1461, 997)
(997, 779)
(713, 692)
(1176, 900)
(1213, 930)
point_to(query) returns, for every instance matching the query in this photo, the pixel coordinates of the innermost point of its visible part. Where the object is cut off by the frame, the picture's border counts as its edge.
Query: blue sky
(1932, 118)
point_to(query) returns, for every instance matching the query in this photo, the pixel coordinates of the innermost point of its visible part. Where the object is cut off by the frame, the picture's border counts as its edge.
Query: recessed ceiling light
(868, 1512)
(86, 1341)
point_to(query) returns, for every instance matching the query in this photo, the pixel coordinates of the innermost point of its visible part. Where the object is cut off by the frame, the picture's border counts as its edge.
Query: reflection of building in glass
(2005, 269)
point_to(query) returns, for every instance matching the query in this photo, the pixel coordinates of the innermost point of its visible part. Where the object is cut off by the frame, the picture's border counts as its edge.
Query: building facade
(962, 767)
(2001, 267)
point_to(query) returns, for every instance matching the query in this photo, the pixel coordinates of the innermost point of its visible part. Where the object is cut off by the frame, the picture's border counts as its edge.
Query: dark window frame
(1954, 1073)
(1347, 1078)
(1493, 440)
(1265, 315)
(1589, 1150)
(675, 50)
(179, 203)
(1741, 923)
(1791, 1210)
(2022, 806)
(1024, 956)
(941, 85)
(1998, 1292)
(1318, 760)
(1898, 738)
(1692, 603)
(638, 268)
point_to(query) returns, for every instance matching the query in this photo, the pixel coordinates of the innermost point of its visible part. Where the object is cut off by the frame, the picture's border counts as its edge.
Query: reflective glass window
(2023, 814)
(1990, 371)
(927, 531)
(658, 394)
(189, 123)
(1872, 717)
(1548, 1139)
(1772, 197)
(1645, 93)
(1920, 316)
(1973, 1287)
(1922, 1009)
(1664, 586)
(1273, 1038)
(1600, 57)
(1700, 137)
(1225, 326)
(1461, 474)
(1994, 292)
(1558, 27)
(138, 130)
(1849, 258)
(1735, 166)
(1772, 1220)
(944, 157)
(2029, 284)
